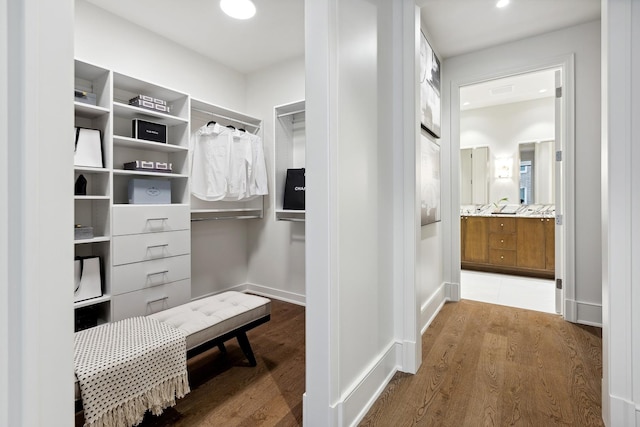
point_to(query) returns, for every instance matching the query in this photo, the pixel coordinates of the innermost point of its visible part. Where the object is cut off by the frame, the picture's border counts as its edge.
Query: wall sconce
(504, 167)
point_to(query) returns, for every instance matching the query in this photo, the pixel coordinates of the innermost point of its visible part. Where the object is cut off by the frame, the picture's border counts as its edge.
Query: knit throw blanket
(128, 367)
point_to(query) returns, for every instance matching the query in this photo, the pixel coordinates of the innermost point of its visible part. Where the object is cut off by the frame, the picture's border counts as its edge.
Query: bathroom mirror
(537, 172)
(474, 176)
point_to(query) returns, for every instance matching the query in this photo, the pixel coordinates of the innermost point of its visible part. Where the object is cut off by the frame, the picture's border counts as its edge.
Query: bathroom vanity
(521, 243)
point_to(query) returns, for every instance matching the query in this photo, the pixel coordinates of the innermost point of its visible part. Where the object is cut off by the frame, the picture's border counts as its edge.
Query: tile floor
(513, 291)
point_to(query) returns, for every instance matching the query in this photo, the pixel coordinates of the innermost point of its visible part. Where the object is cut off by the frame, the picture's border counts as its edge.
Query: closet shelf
(90, 170)
(91, 197)
(205, 211)
(290, 215)
(96, 239)
(154, 174)
(89, 111)
(141, 144)
(92, 301)
(131, 112)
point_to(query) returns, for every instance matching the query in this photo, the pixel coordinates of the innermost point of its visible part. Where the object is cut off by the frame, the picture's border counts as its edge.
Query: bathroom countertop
(514, 211)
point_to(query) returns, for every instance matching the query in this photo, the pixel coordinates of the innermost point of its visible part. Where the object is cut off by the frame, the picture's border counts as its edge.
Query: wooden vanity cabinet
(512, 245)
(475, 233)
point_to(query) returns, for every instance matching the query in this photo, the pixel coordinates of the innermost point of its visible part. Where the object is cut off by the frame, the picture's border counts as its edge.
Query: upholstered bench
(210, 321)
(213, 320)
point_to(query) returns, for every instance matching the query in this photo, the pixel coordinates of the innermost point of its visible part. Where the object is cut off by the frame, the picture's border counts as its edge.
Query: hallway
(492, 365)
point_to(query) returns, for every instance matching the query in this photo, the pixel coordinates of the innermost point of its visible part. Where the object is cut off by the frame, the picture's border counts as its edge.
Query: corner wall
(620, 204)
(276, 249)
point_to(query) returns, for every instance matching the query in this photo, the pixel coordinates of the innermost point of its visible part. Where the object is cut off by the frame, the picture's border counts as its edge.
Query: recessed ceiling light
(542, 91)
(466, 103)
(502, 3)
(238, 9)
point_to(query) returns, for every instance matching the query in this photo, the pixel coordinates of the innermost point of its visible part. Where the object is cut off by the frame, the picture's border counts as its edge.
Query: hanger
(212, 122)
(231, 127)
(242, 130)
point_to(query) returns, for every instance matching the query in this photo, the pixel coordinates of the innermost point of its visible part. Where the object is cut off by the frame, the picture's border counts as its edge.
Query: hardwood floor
(226, 391)
(490, 365)
(483, 365)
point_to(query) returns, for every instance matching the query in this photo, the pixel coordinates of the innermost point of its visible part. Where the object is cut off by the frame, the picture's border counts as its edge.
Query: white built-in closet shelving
(201, 210)
(289, 139)
(145, 249)
(94, 208)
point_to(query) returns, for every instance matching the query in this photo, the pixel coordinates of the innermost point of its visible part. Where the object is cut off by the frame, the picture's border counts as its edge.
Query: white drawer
(144, 247)
(146, 274)
(149, 301)
(134, 219)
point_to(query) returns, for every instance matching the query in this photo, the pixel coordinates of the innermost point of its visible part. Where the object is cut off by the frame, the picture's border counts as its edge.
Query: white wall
(584, 41)
(502, 128)
(620, 204)
(276, 248)
(109, 41)
(36, 340)
(362, 210)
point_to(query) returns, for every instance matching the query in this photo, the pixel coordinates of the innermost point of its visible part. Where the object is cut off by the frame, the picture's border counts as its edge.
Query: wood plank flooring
(483, 365)
(490, 365)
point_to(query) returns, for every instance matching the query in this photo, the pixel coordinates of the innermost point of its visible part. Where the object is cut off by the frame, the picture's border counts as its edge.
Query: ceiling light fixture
(466, 103)
(502, 3)
(238, 9)
(542, 91)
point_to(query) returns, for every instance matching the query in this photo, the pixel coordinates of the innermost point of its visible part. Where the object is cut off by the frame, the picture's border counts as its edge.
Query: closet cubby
(289, 141)
(93, 208)
(201, 210)
(126, 148)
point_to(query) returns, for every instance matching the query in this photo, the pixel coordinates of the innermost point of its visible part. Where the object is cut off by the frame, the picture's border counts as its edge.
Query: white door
(559, 202)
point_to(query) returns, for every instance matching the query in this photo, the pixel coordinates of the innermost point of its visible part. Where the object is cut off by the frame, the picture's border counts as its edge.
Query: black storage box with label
(149, 131)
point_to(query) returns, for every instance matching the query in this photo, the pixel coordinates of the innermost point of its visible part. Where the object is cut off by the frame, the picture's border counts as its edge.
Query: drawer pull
(501, 256)
(501, 240)
(157, 300)
(164, 245)
(501, 225)
(158, 219)
(157, 272)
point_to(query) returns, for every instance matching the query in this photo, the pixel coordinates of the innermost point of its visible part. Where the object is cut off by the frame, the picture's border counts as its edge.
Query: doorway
(508, 132)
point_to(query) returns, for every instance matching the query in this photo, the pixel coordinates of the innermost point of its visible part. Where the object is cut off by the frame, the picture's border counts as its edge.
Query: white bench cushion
(208, 318)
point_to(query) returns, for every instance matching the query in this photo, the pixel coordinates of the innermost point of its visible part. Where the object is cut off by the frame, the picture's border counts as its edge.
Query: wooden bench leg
(222, 348)
(246, 348)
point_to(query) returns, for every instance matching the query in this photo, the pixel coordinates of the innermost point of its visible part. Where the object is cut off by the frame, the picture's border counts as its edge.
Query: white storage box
(88, 278)
(149, 191)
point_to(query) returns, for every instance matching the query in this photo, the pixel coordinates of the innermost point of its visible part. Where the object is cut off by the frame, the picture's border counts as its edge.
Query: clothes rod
(226, 118)
(291, 113)
(212, 218)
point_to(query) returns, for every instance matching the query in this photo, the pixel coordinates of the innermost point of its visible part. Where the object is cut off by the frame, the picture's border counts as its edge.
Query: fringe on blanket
(156, 400)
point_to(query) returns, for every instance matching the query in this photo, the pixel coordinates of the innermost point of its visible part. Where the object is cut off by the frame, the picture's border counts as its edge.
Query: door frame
(565, 234)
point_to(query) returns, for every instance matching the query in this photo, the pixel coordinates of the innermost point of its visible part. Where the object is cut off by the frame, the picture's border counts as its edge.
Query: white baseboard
(622, 413)
(278, 294)
(261, 290)
(432, 306)
(584, 313)
(365, 391)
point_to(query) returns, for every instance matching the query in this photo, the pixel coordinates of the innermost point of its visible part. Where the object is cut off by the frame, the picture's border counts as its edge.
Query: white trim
(5, 388)
(452, 292)
(432, 307)
(364, 392)
(623, 412)
(278, 294)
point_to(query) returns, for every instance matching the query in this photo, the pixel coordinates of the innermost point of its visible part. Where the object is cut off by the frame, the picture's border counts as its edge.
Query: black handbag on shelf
(294, 189)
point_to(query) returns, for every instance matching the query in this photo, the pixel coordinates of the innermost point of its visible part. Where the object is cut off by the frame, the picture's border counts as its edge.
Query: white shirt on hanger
(211, 150)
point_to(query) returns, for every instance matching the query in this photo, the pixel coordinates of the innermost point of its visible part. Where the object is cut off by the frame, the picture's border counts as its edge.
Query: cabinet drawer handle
(164, 245)
(502, 241)
(157, 300)
(158, 219)
(157, 272)
(501, 256)
(501, 225)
